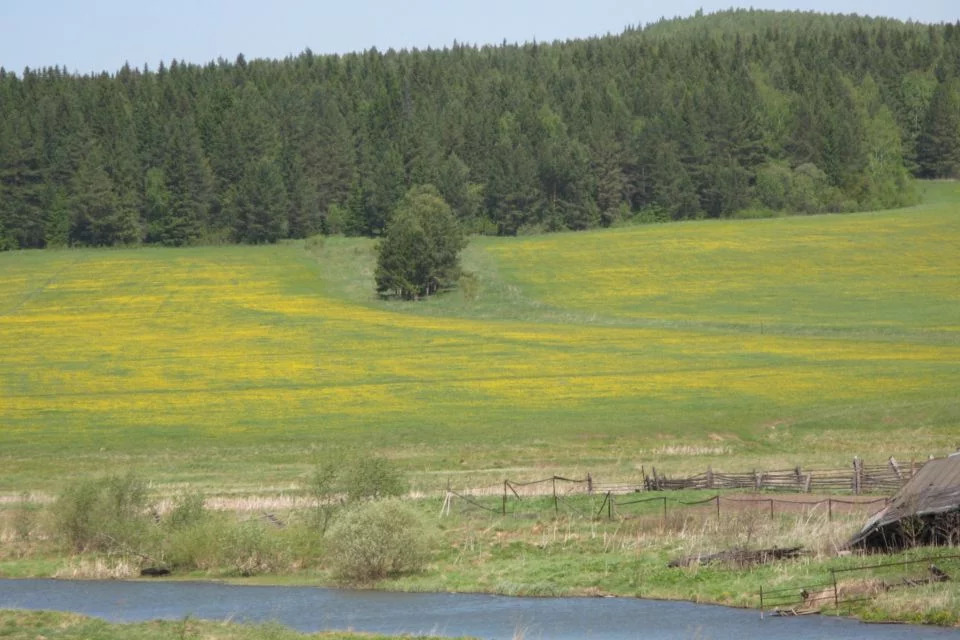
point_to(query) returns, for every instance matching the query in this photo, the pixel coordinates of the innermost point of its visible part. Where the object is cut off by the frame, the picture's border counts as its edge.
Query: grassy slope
(31, 625)
(755, 343)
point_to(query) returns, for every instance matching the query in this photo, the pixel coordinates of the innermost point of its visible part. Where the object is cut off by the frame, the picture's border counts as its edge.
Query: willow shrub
(108, 514)
(221, 545)
(378, 539)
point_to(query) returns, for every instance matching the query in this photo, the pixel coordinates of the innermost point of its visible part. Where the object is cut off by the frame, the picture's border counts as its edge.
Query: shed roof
(934, 489)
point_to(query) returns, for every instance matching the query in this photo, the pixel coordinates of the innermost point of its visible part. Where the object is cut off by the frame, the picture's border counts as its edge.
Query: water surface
(444, 614)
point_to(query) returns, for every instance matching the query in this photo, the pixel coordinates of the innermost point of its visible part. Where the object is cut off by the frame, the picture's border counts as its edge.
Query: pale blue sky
(99, 35)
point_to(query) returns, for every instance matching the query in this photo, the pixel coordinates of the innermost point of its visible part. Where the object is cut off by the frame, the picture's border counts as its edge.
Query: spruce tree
(189, 184)
(261, 204)
(938, 146)
(419, 254)
(98, 217)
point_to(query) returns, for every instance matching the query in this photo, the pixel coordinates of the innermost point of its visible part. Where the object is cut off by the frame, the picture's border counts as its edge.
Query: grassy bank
(31, 625)
(534, 551)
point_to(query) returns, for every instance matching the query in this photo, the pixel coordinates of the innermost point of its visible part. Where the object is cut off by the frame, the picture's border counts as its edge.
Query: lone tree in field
(420, 251)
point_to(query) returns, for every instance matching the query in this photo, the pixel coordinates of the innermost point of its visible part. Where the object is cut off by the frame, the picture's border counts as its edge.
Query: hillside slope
(771, 342)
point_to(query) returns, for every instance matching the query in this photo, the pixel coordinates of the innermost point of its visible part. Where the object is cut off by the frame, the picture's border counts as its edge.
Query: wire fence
(558, 495)
(854, 585)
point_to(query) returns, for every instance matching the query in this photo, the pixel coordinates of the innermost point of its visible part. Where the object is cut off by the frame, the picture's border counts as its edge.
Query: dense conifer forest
(688, 118)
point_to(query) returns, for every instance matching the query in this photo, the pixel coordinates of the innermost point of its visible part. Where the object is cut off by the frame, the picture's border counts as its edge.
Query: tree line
(687, 118)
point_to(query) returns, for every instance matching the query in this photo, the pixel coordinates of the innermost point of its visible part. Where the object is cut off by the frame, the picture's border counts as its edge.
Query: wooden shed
(926, 511)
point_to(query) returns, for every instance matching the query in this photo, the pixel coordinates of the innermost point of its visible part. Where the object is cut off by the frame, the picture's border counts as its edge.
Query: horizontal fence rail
(858, 478)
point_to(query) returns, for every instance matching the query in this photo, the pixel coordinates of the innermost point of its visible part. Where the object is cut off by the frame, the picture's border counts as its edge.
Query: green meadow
(738, 344)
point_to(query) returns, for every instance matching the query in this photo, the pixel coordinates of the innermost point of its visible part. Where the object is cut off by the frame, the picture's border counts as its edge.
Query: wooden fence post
(896, 468)
(718, 507)
(589, 483)
(709, 477)
(504, 497)
(830, 509)
(556, 507)
(771, 508)
(857, 475)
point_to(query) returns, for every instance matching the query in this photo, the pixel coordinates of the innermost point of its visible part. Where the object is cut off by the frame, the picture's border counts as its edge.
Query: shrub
(320, 486)
(195, 547)
(109, 514)
(372, 477)
(248, 550)
(378, 539)
(24, 518)
(216, 543)
(188, 509)
(337, 480)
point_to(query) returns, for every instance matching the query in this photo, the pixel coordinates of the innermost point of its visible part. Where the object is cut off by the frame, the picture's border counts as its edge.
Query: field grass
(764, 343)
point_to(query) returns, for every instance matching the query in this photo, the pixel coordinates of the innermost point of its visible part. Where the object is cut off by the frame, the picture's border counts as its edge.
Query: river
(443, 614)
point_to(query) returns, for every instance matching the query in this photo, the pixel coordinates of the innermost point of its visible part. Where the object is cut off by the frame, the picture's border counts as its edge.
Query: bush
(372, 478)
(248, 550)
(378, 539)
(109, 515)
(216, 543)
(188, 509)
(337, 480)
(195, 547)
(320, 486)
(24, 518)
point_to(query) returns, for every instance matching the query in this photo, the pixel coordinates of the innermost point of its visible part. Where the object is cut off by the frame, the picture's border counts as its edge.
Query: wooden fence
(561, 492)
(575, 500)
(858, 478)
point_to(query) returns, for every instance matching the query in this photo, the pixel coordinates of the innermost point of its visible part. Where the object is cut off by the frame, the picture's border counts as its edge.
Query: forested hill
(681, 119)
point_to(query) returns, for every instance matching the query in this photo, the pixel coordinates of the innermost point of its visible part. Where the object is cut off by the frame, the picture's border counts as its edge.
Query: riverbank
(538, 552)
(54, 625)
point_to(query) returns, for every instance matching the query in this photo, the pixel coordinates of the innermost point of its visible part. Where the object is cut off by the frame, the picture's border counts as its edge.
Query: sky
(101, 35)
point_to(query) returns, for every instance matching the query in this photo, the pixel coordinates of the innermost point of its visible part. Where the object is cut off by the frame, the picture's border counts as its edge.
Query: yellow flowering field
(885, 272)
(783, 341)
